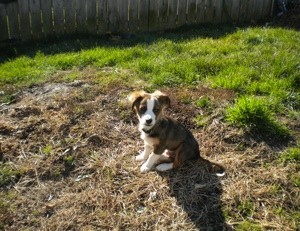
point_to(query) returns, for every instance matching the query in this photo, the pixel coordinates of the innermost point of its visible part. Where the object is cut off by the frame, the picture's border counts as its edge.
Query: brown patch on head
(138, 101)
(135, 99)
(162, 98)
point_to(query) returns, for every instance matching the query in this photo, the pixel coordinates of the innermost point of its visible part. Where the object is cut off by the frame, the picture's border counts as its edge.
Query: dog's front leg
(147, 166)
(145, 154)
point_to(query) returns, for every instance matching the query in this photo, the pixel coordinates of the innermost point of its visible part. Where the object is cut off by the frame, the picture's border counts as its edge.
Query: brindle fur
(167, 133)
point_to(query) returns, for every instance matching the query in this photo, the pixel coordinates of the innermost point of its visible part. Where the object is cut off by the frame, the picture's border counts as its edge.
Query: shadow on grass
(77, 42)
(198, 192)
(271, 138)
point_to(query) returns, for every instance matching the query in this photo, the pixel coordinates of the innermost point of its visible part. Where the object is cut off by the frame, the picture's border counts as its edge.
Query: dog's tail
(212, 167)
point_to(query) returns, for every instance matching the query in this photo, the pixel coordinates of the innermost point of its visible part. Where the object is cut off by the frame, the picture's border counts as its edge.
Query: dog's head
(148, 107)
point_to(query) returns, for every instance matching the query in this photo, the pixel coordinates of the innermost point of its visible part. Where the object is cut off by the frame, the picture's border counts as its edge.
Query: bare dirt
(73, 147)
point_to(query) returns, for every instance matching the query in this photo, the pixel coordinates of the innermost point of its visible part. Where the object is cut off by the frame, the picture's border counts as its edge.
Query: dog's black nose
(149, 121)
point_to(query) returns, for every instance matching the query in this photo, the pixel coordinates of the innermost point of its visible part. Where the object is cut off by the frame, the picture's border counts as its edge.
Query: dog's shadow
(198, 192)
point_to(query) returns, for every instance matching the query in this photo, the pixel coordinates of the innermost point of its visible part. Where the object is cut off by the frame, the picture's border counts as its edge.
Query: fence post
(46, 8)
(58, 17)
(3, 24)
(70, 17)
(133, 17)
(143, 15)
(80, 9)
(91, 17)
(36, 19)
(123, 15)
(191, 11)
(181, 12)
(102, 16)
(153, 15)
(25, 27)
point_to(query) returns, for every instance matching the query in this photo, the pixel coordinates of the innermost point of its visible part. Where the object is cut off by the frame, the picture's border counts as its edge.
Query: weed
(291, 215)
(246, 209)
(69, 160)
(291, 155)
(6, 208)
(204, 102)
(255, 113)
(201, 120)
(248, 226)
(8, 174)
(47, 150)
(296, 180)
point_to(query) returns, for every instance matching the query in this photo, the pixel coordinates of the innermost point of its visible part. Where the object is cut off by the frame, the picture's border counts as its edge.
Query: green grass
(256, 114)
(8, 174)
(6, 208)
(291, 155)
(248, 226)
(204, 102)
(254, 62)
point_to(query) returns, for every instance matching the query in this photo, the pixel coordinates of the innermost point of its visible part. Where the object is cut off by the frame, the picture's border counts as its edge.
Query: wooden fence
(26, 20)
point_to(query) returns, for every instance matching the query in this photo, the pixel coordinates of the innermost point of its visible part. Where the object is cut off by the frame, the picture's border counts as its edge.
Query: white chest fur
(148, 140)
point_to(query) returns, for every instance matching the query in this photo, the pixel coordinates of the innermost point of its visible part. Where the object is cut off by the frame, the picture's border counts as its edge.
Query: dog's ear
(162, 98)
(135, 98)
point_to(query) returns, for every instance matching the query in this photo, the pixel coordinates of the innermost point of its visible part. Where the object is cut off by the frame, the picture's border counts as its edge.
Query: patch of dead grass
(76, 158)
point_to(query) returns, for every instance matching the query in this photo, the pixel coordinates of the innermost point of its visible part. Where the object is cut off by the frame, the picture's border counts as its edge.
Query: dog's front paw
(145, 168)
(140, 157)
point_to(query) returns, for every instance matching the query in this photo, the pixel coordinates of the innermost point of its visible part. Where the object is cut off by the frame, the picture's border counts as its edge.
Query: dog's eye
(143, 109)
(156, 110)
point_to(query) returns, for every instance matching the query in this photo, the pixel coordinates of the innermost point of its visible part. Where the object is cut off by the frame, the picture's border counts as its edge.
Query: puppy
(165, 139)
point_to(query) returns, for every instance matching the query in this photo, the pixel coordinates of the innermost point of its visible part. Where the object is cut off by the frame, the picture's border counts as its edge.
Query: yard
(68, 137)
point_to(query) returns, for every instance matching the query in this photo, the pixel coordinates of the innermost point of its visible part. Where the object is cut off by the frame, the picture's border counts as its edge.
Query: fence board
(25, 28)
(266, 9)
(209, 11)
(153, 15)
(102, 16)
(218, 13)
(36, 19)
(91, 19)
(123, 15)
(13, 22)
(172, 14)
(133, 15)
(143, 15)
(250, 10)
(70, 16)
(113, 15)
(191, 11)
(58, 17)
(46, 10)
(80, 9)
(200, 11)
(226, 16)
(3, 24)
(181, 12)
(235, 7)
(243, 11)
(163, 14)
(259, 10)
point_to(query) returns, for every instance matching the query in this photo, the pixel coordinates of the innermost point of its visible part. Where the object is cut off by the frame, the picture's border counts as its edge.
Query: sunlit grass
(252, 61)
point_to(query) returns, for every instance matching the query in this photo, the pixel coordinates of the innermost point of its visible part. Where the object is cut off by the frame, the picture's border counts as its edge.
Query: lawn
(68, 138)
